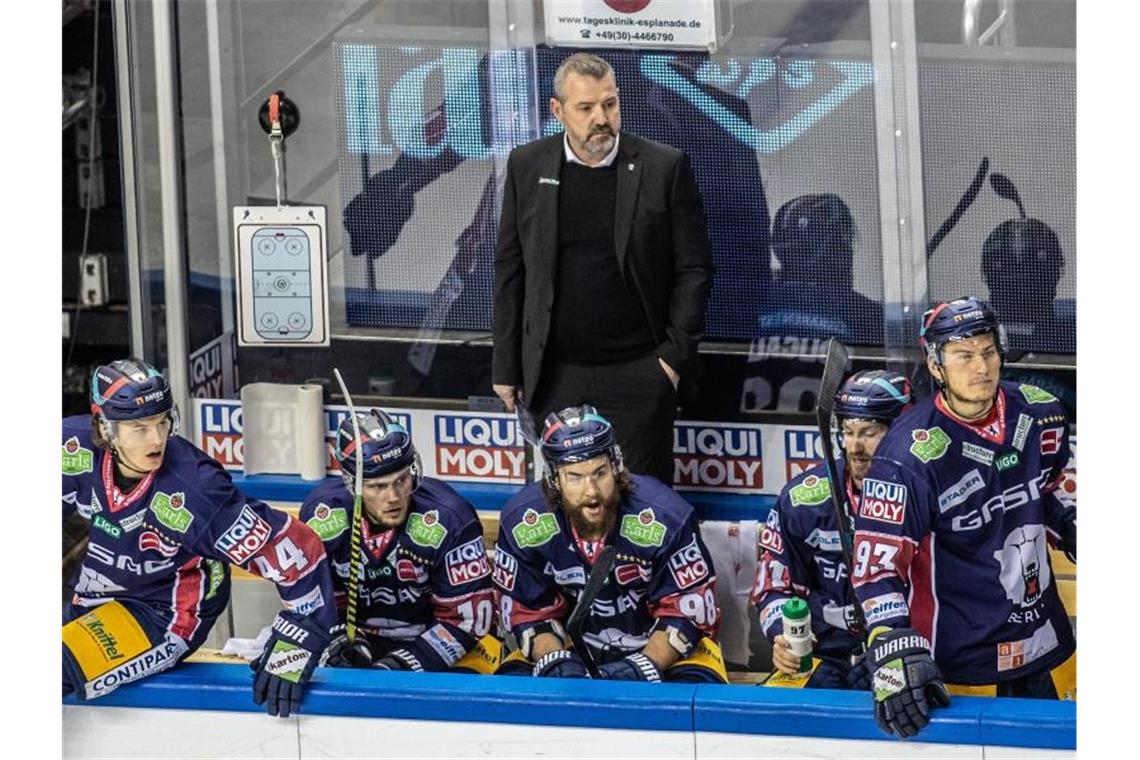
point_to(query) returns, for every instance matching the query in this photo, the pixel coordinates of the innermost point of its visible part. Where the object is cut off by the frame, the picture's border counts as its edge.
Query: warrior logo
(1024, 565)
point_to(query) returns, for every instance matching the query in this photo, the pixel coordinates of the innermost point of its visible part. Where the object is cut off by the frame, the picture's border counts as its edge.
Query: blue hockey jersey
(168, 542)
(663, 575)
(952, 532)
(427, 582)
(800, 556)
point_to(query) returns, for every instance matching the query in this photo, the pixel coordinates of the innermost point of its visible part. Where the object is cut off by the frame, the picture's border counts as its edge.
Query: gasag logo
(478, 447)
(717, 457)
(801, 451)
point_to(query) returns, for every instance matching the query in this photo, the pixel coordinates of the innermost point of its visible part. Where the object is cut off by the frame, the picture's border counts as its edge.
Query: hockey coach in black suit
(602, 271)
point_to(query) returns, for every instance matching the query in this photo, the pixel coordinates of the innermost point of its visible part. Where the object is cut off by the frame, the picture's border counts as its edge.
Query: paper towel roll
(283, 430)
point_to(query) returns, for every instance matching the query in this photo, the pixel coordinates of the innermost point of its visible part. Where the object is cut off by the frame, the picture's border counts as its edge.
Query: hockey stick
(964, 203)
(577, 620)
(357, 504)
(833, 369)
(1004, 187)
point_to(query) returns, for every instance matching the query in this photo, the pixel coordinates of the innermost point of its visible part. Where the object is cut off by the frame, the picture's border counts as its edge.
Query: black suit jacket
(661, 241)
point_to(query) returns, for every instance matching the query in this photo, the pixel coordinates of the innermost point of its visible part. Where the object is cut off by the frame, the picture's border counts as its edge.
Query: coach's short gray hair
(582, 64)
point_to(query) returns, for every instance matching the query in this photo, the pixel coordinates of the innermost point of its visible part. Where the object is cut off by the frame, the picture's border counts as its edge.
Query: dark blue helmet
(387, 447)
(874, 394)
(960, 319)
(129, 389)
(577, 434)
(812, 235)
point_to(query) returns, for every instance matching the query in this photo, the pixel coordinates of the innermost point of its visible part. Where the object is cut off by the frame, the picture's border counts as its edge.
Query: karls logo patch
(328, 522)
(883, 501)
(929, 444)
(811, 491)
(170, 510)
(426, 529)
(480, 448)
(535, 529)
(801, 451)
(643, 529)
(688, 566)
(245, 536)
(1034, 395)
(467, 563)
(76, 459)
(716, 457)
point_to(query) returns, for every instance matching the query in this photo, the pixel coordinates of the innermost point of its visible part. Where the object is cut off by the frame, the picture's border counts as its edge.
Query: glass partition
(409, 109)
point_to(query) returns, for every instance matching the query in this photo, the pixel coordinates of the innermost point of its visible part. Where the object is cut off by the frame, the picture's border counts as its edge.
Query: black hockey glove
(905, 681)
(399, 659)
(561, 663)
(632, 667)
(858, 678)
(287, 663)
(342, 654)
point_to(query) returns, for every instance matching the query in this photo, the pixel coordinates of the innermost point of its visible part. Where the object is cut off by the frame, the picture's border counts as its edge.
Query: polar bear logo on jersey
(1024, 565)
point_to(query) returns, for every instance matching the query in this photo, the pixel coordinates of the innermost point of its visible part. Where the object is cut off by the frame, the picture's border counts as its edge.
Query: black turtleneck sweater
(597, 316)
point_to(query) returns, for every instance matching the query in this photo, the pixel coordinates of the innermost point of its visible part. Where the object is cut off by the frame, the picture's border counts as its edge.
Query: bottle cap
(795, 608)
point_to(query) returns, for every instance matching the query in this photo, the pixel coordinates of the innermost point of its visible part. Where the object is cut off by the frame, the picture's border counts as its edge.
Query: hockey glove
(858, 678)
(905, 681)
(561, 663)
(399, 659)
(632, 667)
(294, 647)
(342, 654)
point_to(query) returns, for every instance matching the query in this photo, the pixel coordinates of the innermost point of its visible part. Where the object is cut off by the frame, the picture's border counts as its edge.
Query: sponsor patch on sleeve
(467, 563)
(883, 501)
(770, 537)
(688, 565)
(506, 570)
(244, 537)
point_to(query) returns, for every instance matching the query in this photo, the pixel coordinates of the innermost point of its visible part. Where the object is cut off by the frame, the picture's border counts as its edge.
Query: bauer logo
(801, 451)
(717, 457)
(882, 501)
(485, 448)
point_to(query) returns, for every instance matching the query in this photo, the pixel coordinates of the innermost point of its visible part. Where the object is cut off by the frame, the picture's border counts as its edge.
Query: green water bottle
(797, 630)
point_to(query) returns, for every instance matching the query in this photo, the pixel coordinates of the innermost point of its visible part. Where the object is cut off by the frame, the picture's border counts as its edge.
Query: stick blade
(833, 368)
